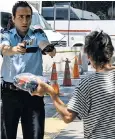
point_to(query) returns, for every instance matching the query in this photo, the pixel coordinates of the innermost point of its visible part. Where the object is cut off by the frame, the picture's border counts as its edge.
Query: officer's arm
(5, 47)
(53, 53)
(8, 50)
(43, 42)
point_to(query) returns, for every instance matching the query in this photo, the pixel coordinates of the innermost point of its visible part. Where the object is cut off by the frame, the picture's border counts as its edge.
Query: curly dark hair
(20, 4)
(98, 46)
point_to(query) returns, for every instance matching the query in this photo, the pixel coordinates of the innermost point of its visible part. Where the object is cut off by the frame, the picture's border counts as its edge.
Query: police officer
(17, 103)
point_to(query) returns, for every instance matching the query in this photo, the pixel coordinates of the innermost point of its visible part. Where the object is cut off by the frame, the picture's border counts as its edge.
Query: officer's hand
(53, 53)
(20, 48)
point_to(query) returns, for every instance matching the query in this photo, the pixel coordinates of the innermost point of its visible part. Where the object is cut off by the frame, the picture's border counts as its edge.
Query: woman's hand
(43, 88)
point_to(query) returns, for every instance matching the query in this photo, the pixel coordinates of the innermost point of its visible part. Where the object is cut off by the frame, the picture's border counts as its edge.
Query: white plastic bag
(28, 82)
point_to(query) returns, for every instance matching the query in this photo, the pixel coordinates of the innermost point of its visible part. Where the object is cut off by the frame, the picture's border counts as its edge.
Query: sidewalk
(57, 129)
(53, 126)
(74, 130)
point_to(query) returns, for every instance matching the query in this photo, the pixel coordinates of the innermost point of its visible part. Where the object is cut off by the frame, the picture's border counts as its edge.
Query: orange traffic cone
(54, 83)
(79, 59)
(75, 69)
(67, 78)
(54, 72)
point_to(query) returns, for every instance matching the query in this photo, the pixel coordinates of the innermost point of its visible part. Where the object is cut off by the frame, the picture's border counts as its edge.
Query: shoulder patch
(37, 30)
(5, 35)
(5, 31)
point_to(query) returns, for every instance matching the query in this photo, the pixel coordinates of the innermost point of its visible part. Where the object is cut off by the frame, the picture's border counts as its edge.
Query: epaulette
(5, 34)
(6, 31)
(38, 30)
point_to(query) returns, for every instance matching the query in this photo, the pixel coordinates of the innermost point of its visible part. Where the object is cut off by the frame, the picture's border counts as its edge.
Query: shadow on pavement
(66, 135)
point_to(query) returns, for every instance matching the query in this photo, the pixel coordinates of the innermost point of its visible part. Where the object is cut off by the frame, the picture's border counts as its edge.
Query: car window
(5, 18)
(48, 14)
(37, 19)
(61, 14)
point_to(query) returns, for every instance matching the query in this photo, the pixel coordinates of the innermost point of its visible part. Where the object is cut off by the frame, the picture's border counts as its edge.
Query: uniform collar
(14, 31)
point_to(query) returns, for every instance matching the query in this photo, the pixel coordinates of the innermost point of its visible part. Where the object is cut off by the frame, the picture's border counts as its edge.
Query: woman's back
(100, 122)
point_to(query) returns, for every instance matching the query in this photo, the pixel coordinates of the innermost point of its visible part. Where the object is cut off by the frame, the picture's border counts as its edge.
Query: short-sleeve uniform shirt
(21, 63)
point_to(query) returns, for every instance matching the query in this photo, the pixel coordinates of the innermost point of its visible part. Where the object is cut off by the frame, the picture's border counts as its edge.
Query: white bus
(84, 17)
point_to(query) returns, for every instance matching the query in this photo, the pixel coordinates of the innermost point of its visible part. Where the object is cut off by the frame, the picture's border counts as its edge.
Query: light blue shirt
(19, 63)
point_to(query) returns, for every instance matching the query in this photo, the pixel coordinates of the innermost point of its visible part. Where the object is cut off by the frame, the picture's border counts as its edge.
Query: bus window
(48, 13)
(84, 10)
(61, 13)
(102, 9)
(4, 19)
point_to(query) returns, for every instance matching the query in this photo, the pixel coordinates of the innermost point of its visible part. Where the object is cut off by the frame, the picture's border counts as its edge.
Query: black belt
(8, 85)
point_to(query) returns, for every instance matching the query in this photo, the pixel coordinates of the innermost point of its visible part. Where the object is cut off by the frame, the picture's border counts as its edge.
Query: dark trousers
(20, 104)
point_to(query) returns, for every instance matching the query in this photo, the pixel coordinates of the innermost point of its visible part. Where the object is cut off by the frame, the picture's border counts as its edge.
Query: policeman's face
(22, 19)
